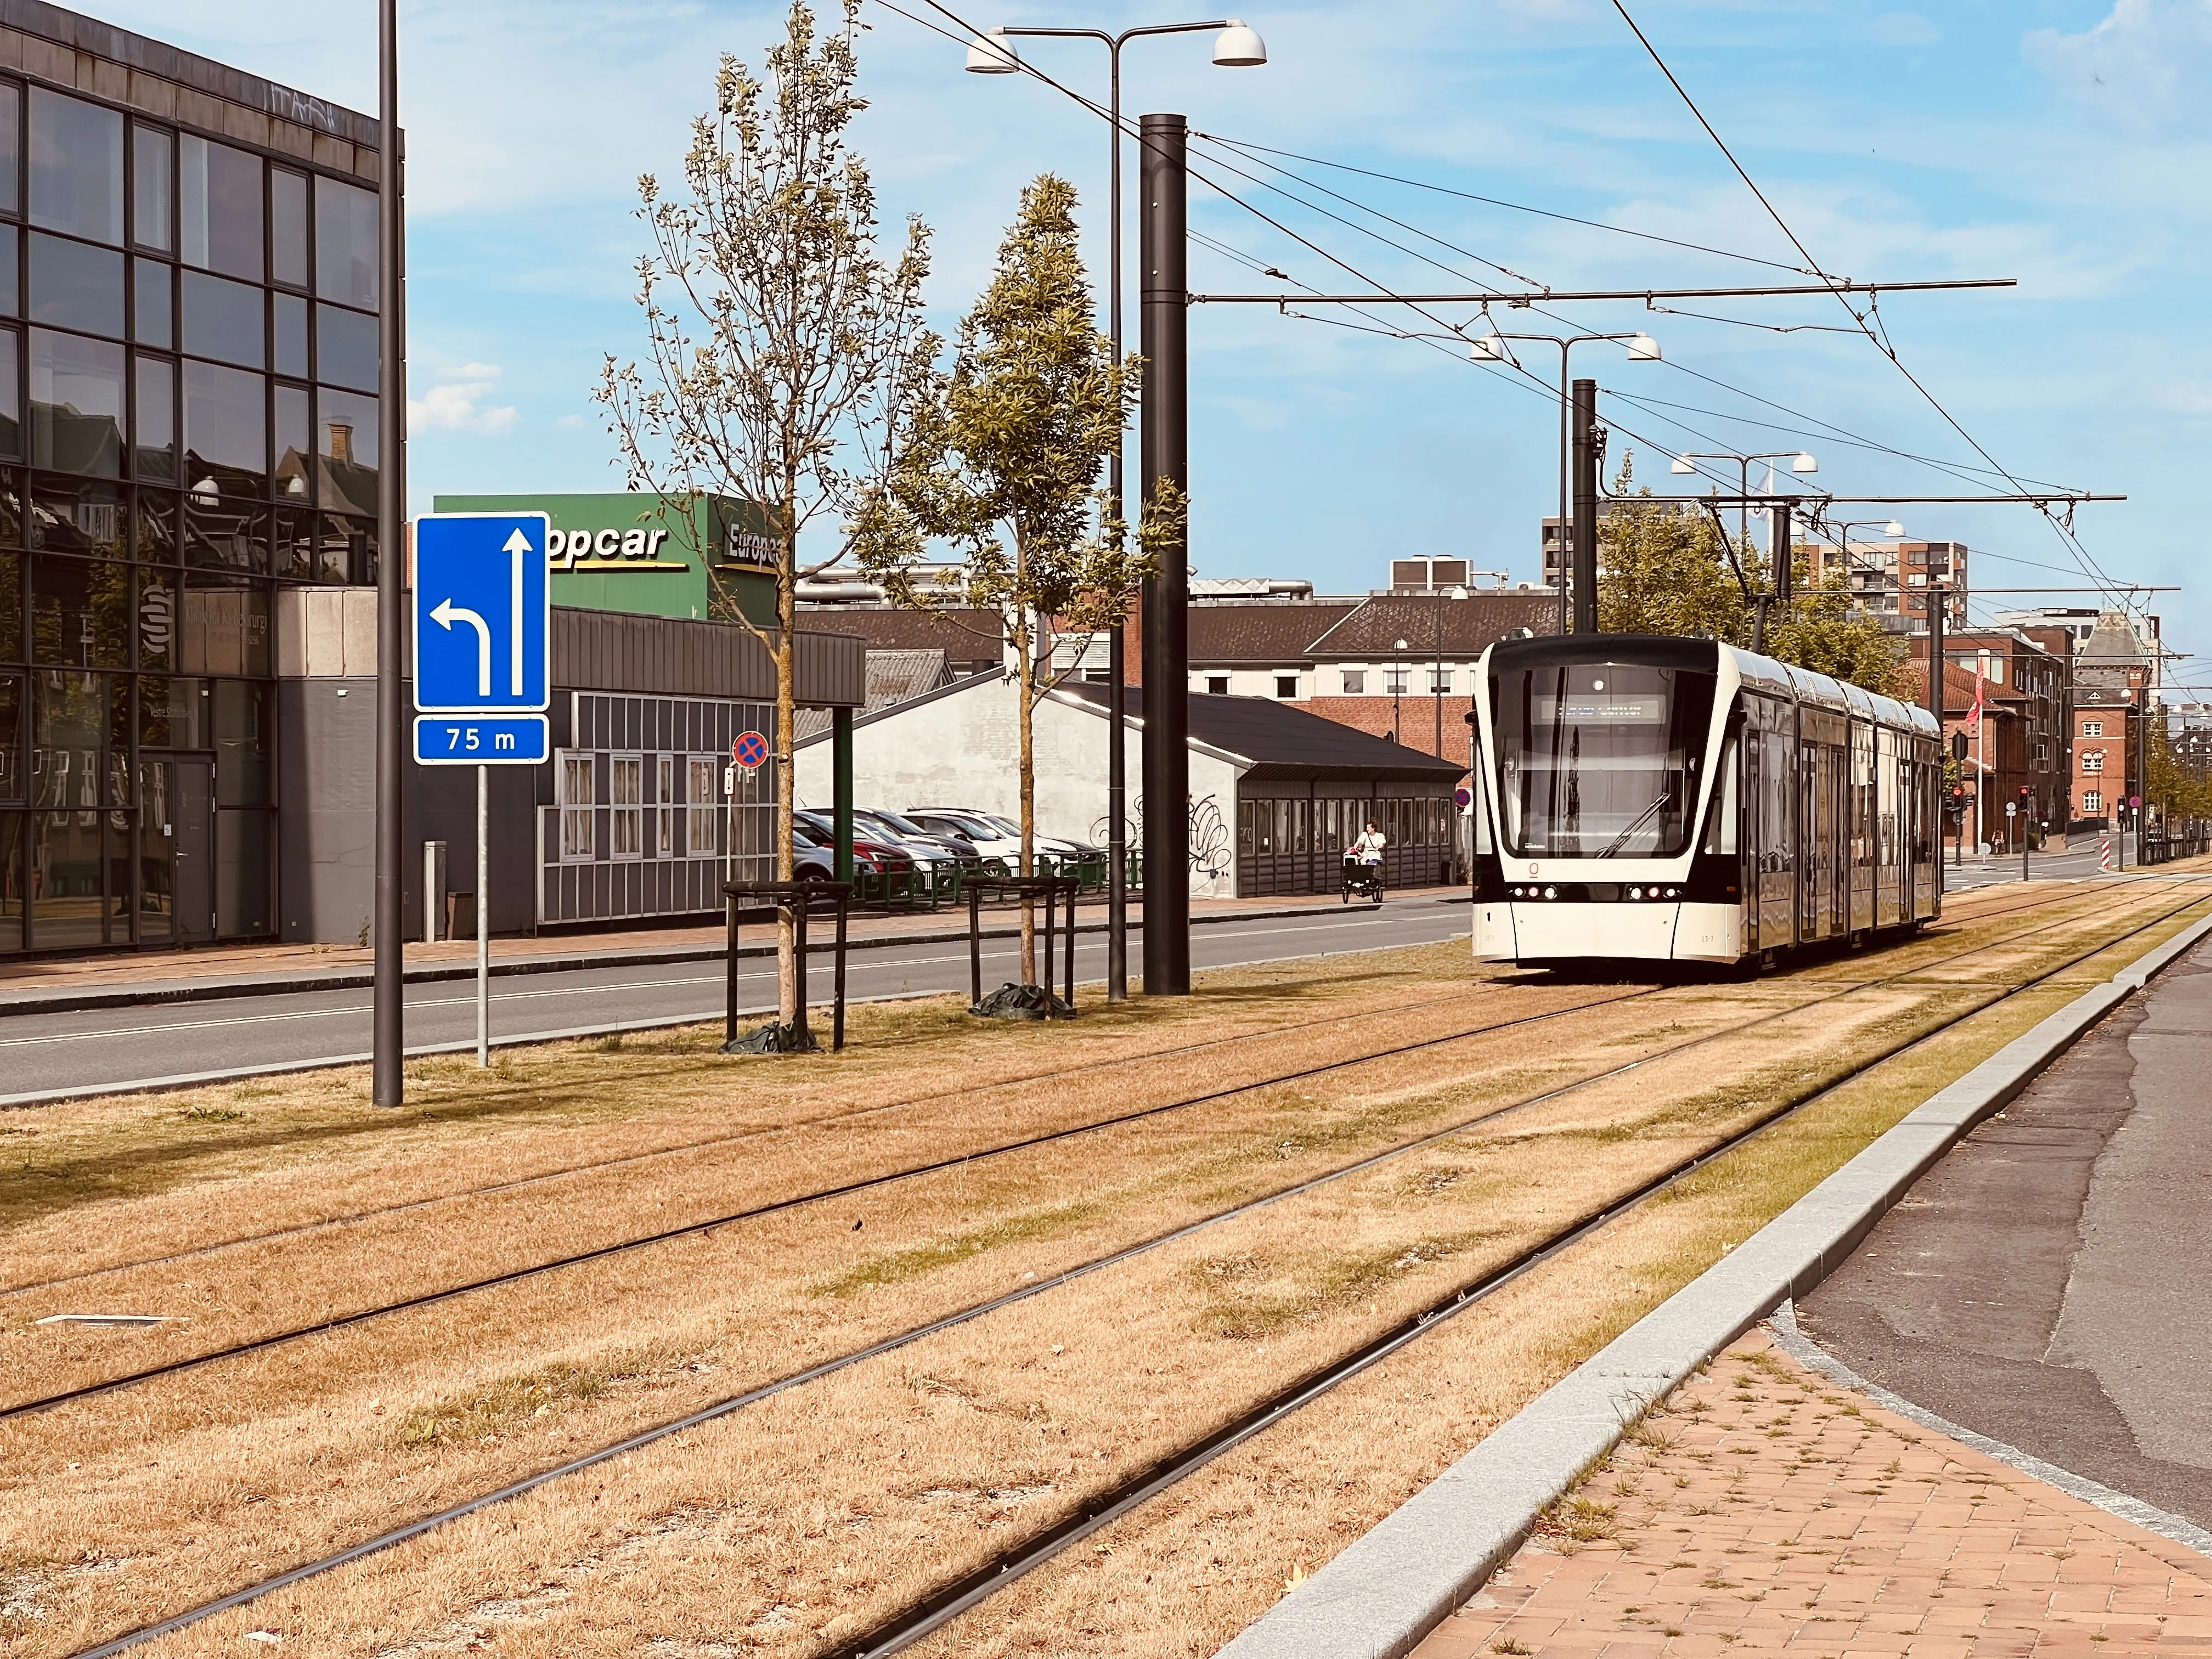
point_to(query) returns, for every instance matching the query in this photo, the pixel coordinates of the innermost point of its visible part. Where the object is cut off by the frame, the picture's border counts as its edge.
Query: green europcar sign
(711, 557)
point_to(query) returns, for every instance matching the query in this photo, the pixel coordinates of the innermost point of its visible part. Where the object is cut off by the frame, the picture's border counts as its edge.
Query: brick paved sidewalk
(1764, 1510)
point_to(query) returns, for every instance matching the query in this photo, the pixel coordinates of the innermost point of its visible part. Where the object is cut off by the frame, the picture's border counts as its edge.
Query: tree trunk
(787, 771)
(1023, 670)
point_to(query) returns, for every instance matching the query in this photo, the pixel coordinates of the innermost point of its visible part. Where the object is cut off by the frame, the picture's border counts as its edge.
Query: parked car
(869, 855)
(1054, 845)
(955, 845)
(986, 838)
(866, 830)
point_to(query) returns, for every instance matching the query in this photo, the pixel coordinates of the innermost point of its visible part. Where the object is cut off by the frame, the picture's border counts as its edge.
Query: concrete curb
(1380, 1596)
(151, 992)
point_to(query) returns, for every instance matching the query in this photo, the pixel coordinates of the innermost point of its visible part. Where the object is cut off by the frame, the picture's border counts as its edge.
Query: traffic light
(1958, 746)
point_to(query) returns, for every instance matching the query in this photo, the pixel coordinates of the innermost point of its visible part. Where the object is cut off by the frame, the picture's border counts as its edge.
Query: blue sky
(2063, 142)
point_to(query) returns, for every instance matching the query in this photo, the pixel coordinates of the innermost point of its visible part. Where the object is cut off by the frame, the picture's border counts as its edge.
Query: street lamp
(1237, 46)
(1397, 690)
(1491, 349)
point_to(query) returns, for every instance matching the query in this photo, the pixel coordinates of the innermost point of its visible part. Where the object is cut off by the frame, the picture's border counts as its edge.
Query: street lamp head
(1804, 463)
(993, 53)
(1488, 348)
(1401, 645)
(1239, 47)
(1642, 348)
(1683, 464)
(1893, 528)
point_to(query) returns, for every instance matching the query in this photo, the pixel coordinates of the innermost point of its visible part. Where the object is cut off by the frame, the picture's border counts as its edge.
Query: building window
(1286, 685)
(1440, 679)
(700, 819)
(1353, 682)
(1216, 686)
(576, 837)
(2093, 728)
(667, 840)
(2093, 760)
(626, 781)
(2092, 800)
(1397, 686)
(1097, 677)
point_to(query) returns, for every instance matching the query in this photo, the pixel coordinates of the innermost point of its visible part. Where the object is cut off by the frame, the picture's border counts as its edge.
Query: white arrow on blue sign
(483, 614)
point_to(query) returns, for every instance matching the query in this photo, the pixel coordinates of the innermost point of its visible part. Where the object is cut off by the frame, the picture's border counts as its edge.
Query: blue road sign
(483, 613)
(483, 739)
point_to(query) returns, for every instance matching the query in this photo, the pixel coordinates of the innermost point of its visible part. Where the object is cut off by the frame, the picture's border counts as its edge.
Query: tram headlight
(1551, 892)
(1673, 892)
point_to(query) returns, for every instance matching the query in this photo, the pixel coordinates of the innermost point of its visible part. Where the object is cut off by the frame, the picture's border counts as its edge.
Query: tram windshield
(1601, 760)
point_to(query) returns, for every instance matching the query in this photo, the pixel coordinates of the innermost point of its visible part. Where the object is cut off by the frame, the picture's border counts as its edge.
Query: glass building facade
(188, 420)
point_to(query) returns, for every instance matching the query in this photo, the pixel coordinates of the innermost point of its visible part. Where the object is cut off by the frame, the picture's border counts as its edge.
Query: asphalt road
(42, 1055)
(2049, 1284)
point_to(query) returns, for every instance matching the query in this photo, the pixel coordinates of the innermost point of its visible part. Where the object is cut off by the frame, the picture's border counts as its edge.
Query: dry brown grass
(802, 1519)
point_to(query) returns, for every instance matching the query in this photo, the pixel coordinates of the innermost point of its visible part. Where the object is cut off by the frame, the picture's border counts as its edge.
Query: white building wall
(964, 749)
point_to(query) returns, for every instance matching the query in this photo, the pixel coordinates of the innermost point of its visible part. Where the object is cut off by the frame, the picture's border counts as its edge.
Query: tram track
(361, 1218)
(927, 1613)
(877, 1182)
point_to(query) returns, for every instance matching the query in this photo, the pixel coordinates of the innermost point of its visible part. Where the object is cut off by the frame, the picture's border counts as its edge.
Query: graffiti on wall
(1206, 828)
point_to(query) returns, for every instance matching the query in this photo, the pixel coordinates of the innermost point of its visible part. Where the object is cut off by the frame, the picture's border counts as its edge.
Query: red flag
(1974, 714)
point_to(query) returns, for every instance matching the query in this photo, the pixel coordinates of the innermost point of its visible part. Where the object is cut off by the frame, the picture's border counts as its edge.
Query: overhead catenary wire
(2065, 533)
(1511, 370)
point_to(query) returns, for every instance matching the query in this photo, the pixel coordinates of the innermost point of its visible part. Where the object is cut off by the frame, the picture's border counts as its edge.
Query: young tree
(780, 340)
(1001, 457)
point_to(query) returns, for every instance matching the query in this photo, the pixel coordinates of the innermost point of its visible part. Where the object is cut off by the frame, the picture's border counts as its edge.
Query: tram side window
(1720, 821)
(1777, 837)
(1479, 810)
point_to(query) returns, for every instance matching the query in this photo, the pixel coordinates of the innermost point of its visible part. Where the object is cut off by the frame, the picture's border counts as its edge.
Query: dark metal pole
(1584, 435)
(389, 1038)
(841, 795)
(1560, 556)
(837, 1028)
(1936, 620)
(1117, 654)
(730, 977)
(1782, 556)
(1165, 338)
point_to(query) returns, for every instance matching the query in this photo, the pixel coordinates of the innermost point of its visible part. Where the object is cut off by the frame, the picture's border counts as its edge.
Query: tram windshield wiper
(1638, 822)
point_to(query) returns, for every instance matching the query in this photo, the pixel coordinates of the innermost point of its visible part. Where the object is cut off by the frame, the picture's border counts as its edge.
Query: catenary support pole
(1164, 338)
(1584, 439)
(1781, 555)
(1937, 604)
(483, 915)
(389, 1033)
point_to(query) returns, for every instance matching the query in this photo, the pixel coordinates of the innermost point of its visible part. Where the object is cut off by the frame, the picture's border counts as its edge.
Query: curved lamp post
(1236, 47)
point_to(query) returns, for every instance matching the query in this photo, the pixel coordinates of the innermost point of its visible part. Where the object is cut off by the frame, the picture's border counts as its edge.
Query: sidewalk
(1765, 1509)
(72, 983)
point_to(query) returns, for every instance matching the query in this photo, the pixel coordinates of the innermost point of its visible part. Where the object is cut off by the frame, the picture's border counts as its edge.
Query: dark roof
(1283, 740)
(1454, 628)
(1259, 633)
(966, 637)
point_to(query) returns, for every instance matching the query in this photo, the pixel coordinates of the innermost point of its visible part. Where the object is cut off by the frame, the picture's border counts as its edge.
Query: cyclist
(1369, 848)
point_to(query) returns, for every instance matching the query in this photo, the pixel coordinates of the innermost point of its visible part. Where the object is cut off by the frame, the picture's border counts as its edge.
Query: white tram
(1655, 798)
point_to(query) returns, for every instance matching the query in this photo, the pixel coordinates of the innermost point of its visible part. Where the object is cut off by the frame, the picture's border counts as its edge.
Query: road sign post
(483, 671)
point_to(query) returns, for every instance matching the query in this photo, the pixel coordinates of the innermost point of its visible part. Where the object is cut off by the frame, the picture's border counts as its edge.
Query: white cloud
(2144, 65)
(461, 403)
(571, 422)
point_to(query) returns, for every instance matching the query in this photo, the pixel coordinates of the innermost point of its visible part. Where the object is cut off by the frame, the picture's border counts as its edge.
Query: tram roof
(1801, 685)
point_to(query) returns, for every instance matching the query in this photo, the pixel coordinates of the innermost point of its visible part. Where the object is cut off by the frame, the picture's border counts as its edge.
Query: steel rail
(947, 1603)
(847, 1189)
(594, 1166)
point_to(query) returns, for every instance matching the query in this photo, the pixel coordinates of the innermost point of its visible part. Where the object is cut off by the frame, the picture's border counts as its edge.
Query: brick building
(2026, 683)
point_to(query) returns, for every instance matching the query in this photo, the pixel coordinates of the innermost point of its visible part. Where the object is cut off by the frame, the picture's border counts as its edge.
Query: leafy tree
(781, 341)
(1664, 571)
(1000, 455)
